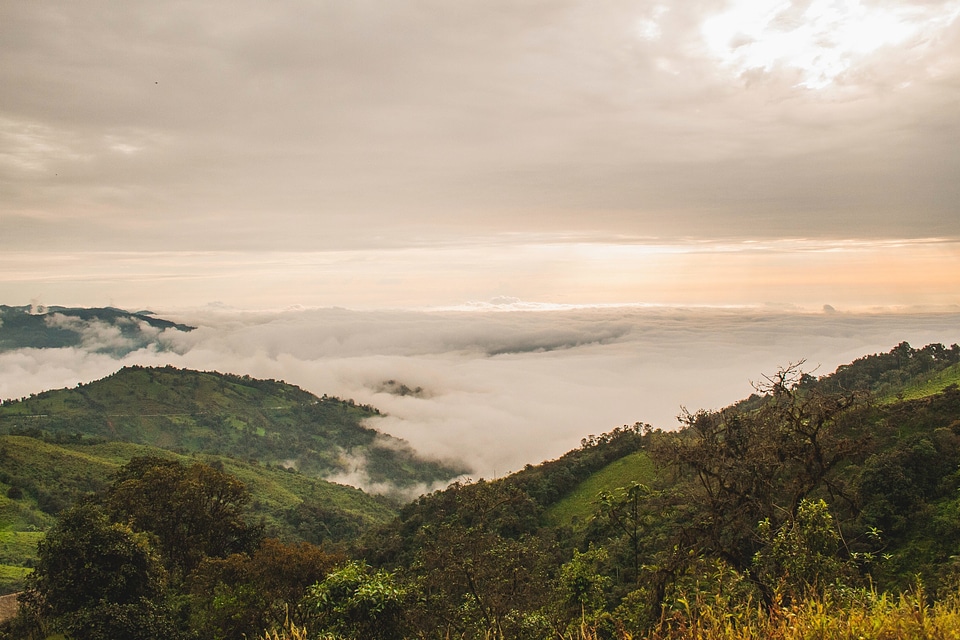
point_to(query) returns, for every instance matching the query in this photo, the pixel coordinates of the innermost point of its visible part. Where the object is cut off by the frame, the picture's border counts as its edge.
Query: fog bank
(502, 389)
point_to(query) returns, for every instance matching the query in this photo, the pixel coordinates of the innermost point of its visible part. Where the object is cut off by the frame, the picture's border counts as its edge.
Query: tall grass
(850, 615)
(854, 615)
(289, 631)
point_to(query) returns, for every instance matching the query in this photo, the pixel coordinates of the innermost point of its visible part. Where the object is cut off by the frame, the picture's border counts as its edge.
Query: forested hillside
(39, 479)
(238, 416)
(820, 507)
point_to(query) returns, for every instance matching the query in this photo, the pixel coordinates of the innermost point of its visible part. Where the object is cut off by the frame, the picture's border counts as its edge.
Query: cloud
(498, 409)
(357, 474)
(96, 335)
(240, 126)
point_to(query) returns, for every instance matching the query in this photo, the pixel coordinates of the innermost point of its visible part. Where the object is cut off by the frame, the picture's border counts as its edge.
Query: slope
(208, 412)
(40, 478)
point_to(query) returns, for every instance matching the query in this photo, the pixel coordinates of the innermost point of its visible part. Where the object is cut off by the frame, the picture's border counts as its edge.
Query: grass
(580, 504)
(12, 578)
(922, 388)
(867, 614)
(861, 615)
(18, 544)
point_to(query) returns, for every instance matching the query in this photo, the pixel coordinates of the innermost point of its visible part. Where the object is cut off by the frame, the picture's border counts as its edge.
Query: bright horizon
(804, 275)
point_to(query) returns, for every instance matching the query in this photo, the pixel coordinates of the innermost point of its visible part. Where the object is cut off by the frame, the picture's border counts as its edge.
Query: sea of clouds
(500, 385)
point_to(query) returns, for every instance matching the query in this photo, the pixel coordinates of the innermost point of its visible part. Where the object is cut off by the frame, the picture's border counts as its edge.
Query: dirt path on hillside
(8, 607)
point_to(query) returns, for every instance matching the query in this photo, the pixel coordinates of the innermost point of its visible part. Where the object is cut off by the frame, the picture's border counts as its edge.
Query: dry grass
(859, 616)
(288, 632)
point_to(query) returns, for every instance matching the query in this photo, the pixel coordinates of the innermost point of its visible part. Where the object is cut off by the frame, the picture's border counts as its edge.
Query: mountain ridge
(191, 411)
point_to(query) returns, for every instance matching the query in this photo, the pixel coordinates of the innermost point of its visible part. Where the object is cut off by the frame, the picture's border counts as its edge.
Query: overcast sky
(436, 152)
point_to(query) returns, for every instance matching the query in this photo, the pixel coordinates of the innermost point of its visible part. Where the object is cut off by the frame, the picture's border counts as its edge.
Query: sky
(407, 154)
(429, 165)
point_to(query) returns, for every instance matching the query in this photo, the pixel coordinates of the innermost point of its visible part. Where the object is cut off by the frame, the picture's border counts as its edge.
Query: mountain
(105, 330)
(845, 484)
(838, 493)
(268, 421)
(58, 446)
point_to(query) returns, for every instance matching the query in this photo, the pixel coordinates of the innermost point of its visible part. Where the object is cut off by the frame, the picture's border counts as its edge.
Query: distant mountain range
(102, 330)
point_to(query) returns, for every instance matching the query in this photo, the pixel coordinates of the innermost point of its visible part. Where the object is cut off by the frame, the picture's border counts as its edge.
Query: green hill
(59, 446)
(811, 486)
(39, 478)
(208, 412)
(827, 492)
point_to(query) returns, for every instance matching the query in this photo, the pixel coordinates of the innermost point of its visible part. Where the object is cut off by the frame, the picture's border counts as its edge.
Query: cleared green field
(923, 388)
(17, 545)
(580, 504)
(12, 578)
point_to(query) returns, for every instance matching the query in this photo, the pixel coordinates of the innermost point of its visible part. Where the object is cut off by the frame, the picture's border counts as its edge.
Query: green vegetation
(164, 552)
(580, 505)
(208, 412)
(18, 556)
(927, 385)
(67, 444)
(47, 478)
(815, 508)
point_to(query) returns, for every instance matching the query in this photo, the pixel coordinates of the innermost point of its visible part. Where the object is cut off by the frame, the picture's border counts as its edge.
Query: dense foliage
(809, 510)
(164, 552)
(39, 479)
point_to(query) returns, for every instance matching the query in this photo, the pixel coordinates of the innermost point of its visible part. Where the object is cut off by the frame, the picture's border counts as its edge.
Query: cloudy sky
(671, 198)
(428, 152)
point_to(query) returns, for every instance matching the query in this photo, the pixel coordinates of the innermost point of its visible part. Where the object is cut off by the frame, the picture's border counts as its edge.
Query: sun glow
(821, 39)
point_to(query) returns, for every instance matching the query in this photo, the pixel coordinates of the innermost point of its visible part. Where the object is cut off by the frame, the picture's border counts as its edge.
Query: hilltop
(58, 446)
(189, 411)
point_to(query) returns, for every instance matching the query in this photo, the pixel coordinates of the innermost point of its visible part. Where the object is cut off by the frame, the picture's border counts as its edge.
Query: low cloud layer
(499, 390)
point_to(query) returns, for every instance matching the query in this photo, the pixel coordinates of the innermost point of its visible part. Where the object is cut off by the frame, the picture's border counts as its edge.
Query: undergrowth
(848, 615)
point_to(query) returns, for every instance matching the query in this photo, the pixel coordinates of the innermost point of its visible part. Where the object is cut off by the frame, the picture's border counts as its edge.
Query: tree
(801, 557)
(626, 513)
(477, 568)
(193, 512)
(754, 465)
(242, 595)
(359, 602)
(97, 579)
(581, 587)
